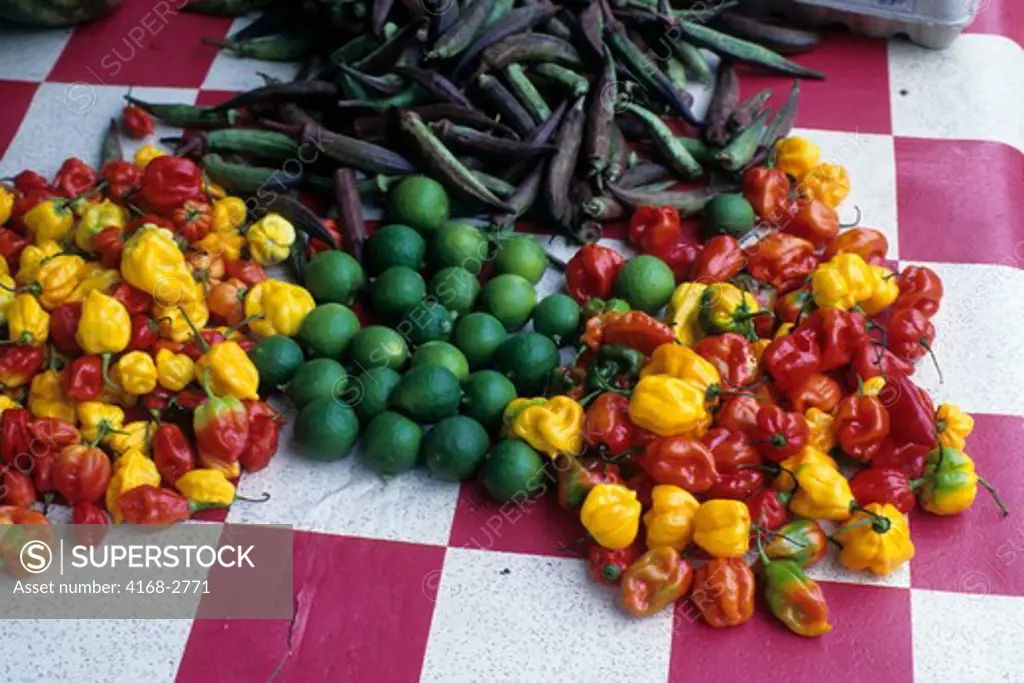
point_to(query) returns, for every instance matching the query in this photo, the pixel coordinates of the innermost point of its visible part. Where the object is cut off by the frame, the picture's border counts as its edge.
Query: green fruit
(394, 245)
(521, 255)
(430, 321)
(455, 288)
(486, 394)
(276, 359)
(391, 444)
(527, 359)
(459, 244)
(557, 316)
(427, 394)
(326, 429)
(510, 299)
(419, 202)
(729, 214)
(334, 277)
(397, 291)
(443, 354)
(369, 392)
(646, 283)
(327, 330)
(478, 336)
(513, 471)
(455, 448)
(322, 378)
(377, 347)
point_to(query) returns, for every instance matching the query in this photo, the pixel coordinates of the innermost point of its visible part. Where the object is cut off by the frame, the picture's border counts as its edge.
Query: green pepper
(595, 307)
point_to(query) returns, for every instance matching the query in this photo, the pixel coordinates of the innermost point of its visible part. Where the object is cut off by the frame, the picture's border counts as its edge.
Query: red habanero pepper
(818, 391)
(249, 272)
(920, 288)
(662, 220)
(738, 414)
(576, 478)
(590, 273)
(733, 454)
(17, 488)
(194, 349)
(29, 181)
(791, 359)
(83, 379)
(81, 473)
(137, 122)
(861, 423)
(607, 424)
(891, 487)
(147, 219)
(189, 399)
(872, 360)
(144, 332)
(868, 243)
(911, 333)
(91, 523)
(721, 260)
(768, 508)
(316, 245)
(135, 301)
(839, 334)
(193, 220)
(681, 461)
(11, 246)
(780, 433)
(63, 325)
(123, 179)
(246, 344)
(733, 357)
(794, 306)
(634, 329)
(108, 243)
(222, 430)
(607, 566)
(15, 437)
(911, 411)
(158, 400)
(736, 484)
(908, 458)
(168, 182)
(31, 525)
(767, 190)
(19, 364)
(814, 221)
(679, 256)
(264, 432)
(654, 581)
(75, 177)
(55, 432)
(173, 454)
(149, 504)
(783, 261)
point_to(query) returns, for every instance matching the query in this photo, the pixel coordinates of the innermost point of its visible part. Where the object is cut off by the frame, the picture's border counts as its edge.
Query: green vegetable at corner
(458, 244)
(486, 394)
(334, 277)
(646, 283)
(277, 358)
(419, 202)
(321, 378)
(513, 471)
(391, 444)
(427, 393)
(327, 331)
(521, 255)
(728, 214)
(455, 448)
(326, 429)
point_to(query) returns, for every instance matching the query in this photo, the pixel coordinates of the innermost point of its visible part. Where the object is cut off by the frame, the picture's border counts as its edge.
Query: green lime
(728, 214)
(316, 379)
(557, 316)
(397, 291)
(486, 394)
(327, 330)
(521, 255)
(509, 298)
(646, 283)
(391, 444)
(368, 392)
(527, 359)
(326, 429)
(394, 245)
(455, 448)
(276, 359)
(419, 202)
(458, 244)
(377, 347)
(478, 336)
(513, 471)
(443, 354)
(334, 277)
(455, 288)
(427, 394)
(430, 321)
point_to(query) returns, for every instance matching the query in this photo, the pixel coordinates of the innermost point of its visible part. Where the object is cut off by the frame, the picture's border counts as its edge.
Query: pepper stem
(928, 347)
(245, 321)
(206, 384)
(855, 220)
(992, 491)
(202, 342)
(104, 368)
(264, 497)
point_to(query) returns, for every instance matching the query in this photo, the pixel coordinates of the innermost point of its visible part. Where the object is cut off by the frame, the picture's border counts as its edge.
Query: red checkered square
(940, 219)
(17, 98)
(1001, 18)
(339, 583)
(146, 42)
(211, 98)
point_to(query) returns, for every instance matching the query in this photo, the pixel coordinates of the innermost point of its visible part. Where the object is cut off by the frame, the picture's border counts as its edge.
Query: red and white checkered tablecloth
(415, 579)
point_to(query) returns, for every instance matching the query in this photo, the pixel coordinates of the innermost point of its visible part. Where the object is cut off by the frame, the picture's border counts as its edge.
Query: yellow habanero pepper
(27, 322)
(136, 373)
(32, 257)
(681, 362)
(229, 215)
(6, 204)
(822, 430)
(670, 519)
(146, 154)
(57, 279)
(132, 469)
(683, 312)
(230, 371)
(153, 263)
(213, 189)
(954, 426)
(96, 418)
(173, 370)
(826, 182)
(105, 326)
(885, 292)
(6, 296)
(725, 307)
(875, 538)
(49, 221)
(796, 156)
(843, 282)
(553, 427)
(175, 319)
(270, 239)
(98, 217)
(808, 454)
(283, 306)
(7, 402)
(206, 486)
(668, 406)
(950, 483)
(611, 514)
(46, 397)
(822, 492)
(134, 436)
(759, 348)
(223, 244)
(96, 278)
(512, 410)
(722, 527)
